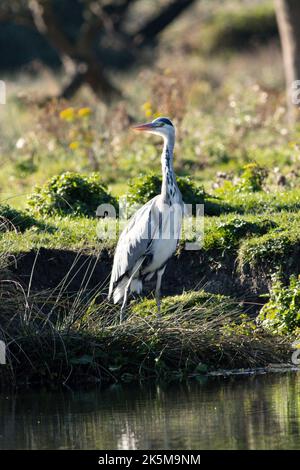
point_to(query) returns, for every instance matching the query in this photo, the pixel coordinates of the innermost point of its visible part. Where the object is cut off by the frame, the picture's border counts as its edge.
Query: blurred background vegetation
(78, 72)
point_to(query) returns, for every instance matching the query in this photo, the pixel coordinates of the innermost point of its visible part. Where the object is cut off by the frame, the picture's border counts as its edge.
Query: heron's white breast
(165, 240)
(161, 251)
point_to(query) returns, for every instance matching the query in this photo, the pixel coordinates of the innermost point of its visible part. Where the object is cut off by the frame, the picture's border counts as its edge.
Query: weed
(70, 194)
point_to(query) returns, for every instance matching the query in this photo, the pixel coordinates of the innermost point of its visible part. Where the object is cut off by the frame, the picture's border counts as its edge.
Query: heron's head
(161, 126)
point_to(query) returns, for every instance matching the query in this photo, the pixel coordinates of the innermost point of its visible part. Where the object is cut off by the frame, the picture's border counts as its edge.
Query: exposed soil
(186, 271)
(72, 272)
(49, 268)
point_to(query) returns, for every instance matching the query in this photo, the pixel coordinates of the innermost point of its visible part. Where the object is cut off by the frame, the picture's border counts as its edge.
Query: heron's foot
(158, 303)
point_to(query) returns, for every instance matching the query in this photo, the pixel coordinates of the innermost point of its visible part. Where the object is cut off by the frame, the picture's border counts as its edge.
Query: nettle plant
(251, 180)
(282, 312)
(229, 233)
(143, 188)
(253, 177)
(70, 194)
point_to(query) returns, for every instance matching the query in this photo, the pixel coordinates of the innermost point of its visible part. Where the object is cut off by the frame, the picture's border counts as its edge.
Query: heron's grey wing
(134, 241)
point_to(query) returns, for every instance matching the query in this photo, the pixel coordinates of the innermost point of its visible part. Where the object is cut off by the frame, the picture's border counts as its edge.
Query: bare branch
(46, 23)
(23, 18)
(155, 26)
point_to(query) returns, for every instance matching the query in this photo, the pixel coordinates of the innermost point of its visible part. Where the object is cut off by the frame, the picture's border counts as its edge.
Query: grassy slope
(197, 333)
(256, 227)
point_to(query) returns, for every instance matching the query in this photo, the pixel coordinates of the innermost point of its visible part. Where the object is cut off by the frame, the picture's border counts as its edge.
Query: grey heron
(152, 234)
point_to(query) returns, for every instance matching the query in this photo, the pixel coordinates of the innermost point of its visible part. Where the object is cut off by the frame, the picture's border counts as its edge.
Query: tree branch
(22, 19)
(46, 23)
(155, 26)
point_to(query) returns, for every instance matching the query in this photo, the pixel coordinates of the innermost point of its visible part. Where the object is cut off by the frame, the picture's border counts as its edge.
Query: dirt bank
(76, 341)
(188, 270)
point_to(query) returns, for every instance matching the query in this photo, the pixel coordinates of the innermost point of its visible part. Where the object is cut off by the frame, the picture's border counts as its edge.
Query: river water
(256, 412)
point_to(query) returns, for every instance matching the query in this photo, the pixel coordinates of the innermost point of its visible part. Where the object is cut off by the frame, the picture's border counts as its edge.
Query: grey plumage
(134, 242)
(151, 235)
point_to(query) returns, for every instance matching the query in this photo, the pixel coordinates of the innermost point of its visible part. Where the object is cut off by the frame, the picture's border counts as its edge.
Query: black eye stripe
(164, 121)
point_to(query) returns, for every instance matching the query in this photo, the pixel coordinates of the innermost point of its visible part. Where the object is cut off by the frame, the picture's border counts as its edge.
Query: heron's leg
(124, 301)
(157, 289)
(136, 268)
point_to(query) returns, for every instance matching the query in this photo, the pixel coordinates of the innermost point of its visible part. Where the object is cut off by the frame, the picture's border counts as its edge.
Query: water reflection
(259, 412)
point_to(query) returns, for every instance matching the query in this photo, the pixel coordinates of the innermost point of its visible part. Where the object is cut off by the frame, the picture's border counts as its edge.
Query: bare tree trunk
(108, 19)
(90, 73)
(88, 68)
(288, 19)
(99, 83)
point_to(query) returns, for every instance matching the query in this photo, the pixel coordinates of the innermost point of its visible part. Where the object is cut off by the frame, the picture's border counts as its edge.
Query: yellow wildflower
(74, 145)
(84, 112)
(148, 113)
(147, 105)
(67, 114)
(250, 166)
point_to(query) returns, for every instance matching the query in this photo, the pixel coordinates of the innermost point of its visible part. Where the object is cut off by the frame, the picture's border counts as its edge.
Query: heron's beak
(143, 127)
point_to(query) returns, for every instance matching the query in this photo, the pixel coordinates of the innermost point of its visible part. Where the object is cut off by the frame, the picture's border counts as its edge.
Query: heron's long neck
(169, 186)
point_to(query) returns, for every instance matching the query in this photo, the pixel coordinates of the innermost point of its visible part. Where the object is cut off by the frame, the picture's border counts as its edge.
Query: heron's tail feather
(110, 291)
(119, 290)
(136, 285)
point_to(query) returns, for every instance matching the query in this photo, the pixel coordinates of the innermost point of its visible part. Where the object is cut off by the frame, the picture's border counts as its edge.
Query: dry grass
(57, 338)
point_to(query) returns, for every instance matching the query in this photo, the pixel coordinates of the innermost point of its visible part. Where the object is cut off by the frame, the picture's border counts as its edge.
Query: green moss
(60, 233)
(273, 251)
(228, 232)
(196, 302)
(225, 232)
(262, 202)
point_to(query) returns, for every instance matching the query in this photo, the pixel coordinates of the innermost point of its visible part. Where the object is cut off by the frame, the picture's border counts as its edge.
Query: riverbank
(60, 329)
(234, 153)
(55, 339)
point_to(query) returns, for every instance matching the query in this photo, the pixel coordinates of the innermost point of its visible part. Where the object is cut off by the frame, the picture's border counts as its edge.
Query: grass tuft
(55, 338)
